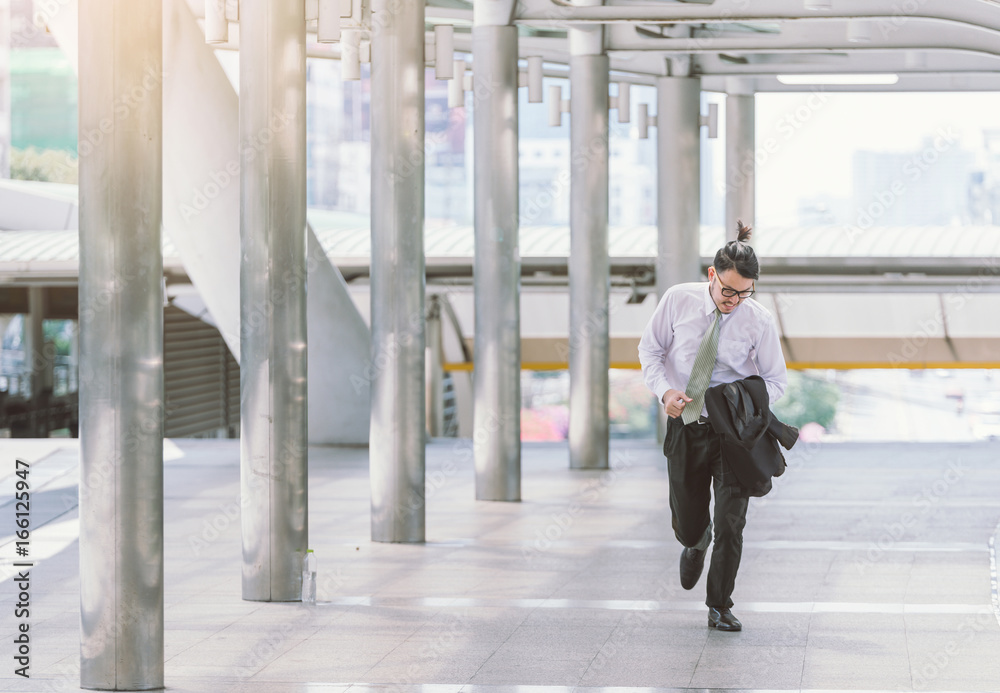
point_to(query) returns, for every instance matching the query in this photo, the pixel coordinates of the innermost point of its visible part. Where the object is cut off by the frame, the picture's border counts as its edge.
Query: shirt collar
(709, 305)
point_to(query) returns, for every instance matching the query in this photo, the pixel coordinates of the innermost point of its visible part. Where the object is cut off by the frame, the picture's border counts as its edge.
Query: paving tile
(395, 675)
(573, 617)
(842, 669)
(491, 602)
(643, 666)
(499, 670)
(774, 667)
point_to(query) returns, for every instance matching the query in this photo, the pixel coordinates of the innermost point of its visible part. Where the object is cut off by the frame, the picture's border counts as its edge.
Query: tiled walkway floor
(867, 568)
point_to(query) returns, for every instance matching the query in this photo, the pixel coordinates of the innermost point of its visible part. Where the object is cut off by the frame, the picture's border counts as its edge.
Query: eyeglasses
(729, 293)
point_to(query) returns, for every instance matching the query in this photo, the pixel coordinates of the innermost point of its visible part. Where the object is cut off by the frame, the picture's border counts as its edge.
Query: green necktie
(701, 372)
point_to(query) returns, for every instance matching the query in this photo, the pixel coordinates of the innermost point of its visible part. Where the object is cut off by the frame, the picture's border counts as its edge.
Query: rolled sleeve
(771, 361)
(653, 348)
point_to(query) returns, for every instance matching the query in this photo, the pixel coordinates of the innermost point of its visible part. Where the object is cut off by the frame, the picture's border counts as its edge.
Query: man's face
(732, 281)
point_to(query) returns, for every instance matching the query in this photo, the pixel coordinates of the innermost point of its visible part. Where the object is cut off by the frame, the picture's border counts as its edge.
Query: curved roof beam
(983, 13)
(813, 37)
(900, 62)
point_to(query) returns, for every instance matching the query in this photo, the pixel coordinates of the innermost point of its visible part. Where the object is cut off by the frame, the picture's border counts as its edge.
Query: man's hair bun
(743, 232)
(738, 255)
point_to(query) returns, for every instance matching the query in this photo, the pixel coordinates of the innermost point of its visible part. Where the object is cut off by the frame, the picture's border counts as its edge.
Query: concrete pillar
(497, 410)
(435, 369)
(396, 451)
(589, 269)
(678, 163)
(121, 346)
(35, 365)
(678, 146)
(273, 406)
(740, 162)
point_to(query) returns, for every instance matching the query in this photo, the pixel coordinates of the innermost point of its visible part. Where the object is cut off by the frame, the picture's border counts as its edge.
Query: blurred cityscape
(938, 184)
(957, 405)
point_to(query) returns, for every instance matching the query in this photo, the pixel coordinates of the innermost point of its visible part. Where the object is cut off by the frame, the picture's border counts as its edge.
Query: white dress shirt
(748, 342)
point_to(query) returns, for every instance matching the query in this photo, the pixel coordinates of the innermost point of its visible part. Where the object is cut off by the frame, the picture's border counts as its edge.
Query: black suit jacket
(741, 415)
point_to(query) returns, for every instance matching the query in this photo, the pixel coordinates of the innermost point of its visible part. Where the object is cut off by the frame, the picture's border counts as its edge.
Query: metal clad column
(36, 362)
(435, 368)
(589, 278)
(121, 345)
(396, 450)
(273, 407)
(497, 411)
(678, 145)
(739, 161)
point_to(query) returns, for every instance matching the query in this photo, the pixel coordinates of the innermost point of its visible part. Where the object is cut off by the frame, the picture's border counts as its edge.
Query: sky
(814, 136)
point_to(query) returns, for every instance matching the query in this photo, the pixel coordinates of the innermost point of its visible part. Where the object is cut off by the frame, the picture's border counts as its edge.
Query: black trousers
(694, 466)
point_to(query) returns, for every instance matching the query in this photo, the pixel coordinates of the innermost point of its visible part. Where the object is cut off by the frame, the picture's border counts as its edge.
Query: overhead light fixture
(216, 25)
(328, 24)
(915, 60)
(350, 55)
(859, 31)
(555, 105)
(623, 101)
(456, 86)
(444, 51)
(859, 79)
(818, 5)
(535, 79)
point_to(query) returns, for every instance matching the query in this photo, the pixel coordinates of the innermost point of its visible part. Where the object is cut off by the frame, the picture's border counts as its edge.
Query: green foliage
(60, 334)
(807, 399)
(50, 165)
(631, 406)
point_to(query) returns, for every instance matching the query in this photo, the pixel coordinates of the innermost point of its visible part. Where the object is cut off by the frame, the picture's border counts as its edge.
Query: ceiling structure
(741, 46)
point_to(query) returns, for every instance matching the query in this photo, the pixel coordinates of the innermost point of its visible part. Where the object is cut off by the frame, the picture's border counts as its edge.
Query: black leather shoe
(723, 619)
(692, 563)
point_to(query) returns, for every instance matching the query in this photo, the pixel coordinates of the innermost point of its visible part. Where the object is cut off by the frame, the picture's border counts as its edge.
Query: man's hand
(674, 402)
